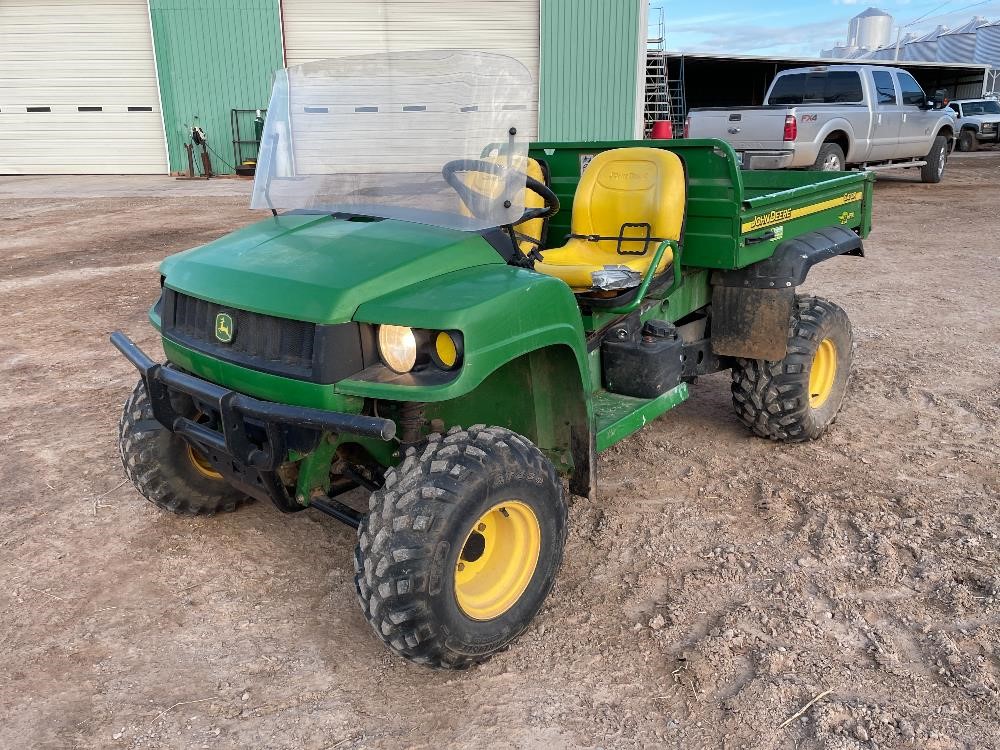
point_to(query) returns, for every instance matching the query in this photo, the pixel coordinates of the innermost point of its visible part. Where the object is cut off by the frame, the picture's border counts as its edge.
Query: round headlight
(398, 347)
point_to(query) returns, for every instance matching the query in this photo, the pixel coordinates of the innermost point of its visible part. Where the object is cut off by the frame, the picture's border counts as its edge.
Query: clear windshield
(400, 136)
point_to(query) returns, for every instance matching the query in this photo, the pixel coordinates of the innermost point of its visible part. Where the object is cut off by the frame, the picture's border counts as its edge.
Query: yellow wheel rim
(822, 373)
(201, 464)
(497, 560)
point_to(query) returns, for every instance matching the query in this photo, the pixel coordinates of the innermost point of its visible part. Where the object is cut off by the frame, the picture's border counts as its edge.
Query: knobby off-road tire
(829, 159)
(967, 141)
(937, 158)
(798, 397)
(425, 522)
(165, 469)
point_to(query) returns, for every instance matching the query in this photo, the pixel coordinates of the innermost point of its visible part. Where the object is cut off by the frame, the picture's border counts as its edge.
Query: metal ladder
(657, 105)
(665, 93)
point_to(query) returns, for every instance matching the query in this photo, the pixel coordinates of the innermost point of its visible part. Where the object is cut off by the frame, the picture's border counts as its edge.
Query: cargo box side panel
(829, 200)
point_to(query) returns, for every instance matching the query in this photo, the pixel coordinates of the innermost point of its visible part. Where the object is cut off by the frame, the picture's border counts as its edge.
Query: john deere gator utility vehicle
(457, 321)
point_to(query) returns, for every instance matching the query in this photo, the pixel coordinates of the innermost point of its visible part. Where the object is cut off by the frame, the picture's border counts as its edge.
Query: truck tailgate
(746, 128)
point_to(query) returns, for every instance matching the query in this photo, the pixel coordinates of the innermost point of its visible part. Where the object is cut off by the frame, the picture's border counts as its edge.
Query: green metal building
(592, 72)
(116, 87)
(212, 57)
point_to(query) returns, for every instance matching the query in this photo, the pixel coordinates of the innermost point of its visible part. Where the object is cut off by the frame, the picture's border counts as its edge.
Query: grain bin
(869, 29)
(923, 49)
(959, 45)
(987, 50)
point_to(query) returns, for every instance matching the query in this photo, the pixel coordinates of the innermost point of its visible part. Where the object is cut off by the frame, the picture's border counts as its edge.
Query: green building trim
(590, 53)
(217, 55)
(212, 57)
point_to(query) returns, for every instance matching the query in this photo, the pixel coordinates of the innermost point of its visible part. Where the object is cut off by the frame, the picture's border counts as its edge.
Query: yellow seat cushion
(620, 187)
(577, 260)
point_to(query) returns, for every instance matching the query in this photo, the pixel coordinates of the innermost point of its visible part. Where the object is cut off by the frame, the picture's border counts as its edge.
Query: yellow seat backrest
(630, 186)
(532, 229)
(529, 232)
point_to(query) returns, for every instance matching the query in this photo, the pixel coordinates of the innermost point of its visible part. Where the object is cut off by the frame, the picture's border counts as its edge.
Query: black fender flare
(792, 259)
(751, 306)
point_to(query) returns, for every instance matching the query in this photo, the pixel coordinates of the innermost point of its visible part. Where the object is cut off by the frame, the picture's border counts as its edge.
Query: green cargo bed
(734, 218)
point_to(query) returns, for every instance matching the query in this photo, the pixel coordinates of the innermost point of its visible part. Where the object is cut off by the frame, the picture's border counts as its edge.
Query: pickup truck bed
(734, 217)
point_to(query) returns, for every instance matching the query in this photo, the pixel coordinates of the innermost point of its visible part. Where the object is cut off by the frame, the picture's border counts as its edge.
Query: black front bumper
(239, 414)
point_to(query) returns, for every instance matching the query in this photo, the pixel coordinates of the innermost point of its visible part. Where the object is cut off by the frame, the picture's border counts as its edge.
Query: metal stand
(198, 136)
(245, 148)
(206, 162)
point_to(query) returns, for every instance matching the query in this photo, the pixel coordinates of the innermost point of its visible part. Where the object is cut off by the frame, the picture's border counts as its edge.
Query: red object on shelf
(662, 129)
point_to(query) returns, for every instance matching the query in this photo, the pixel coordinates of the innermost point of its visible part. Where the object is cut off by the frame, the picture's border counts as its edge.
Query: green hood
(318, 268)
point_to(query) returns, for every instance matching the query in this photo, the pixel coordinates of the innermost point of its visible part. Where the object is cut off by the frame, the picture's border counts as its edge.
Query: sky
(789, 28)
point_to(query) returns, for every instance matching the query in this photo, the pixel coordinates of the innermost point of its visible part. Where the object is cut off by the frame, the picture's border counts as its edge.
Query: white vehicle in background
(831, 117)
(978, 122)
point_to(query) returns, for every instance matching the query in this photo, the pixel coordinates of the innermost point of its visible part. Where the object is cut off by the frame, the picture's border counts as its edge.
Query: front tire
(166, 469)
(933, 170)
(461, 546)
(967, 141)
(829, 159)
(798, 397)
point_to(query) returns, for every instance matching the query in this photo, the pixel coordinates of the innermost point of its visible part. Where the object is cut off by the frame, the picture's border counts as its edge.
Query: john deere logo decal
(224, 328)
(787, 214)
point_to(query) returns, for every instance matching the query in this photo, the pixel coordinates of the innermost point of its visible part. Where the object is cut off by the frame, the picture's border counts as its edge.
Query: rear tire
(166, 469)
(436, 590)
(933, 170)
(798, 397)
(967, 141)
(829, 159)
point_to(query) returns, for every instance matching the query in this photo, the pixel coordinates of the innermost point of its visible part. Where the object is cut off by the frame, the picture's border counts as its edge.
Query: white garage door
(315, 29)
(78, 92)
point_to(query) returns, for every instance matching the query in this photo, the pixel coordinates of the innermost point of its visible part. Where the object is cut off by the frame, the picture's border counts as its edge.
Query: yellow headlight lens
(447, 351)
(398, 347)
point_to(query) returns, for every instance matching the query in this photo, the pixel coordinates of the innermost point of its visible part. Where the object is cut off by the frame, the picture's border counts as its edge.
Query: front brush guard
(234, 409)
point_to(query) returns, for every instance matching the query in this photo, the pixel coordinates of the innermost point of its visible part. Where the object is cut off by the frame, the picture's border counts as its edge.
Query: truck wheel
(829, 159)
(967, 141)
(165, 468)
(933, 170)
(461, 546)
(798, 397)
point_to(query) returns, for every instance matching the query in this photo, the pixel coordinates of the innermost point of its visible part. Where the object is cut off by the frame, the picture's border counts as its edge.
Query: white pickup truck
(832, 117)
(979, 122)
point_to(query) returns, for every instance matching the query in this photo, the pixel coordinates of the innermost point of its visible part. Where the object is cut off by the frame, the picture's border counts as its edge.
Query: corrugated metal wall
(968, 90)
(213, 57)
(590, 54)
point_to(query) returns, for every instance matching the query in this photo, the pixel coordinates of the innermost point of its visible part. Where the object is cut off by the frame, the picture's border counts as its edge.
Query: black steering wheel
(482, 205)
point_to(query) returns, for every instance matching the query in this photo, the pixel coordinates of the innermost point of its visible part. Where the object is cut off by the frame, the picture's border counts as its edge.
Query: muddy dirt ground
(719, 585)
